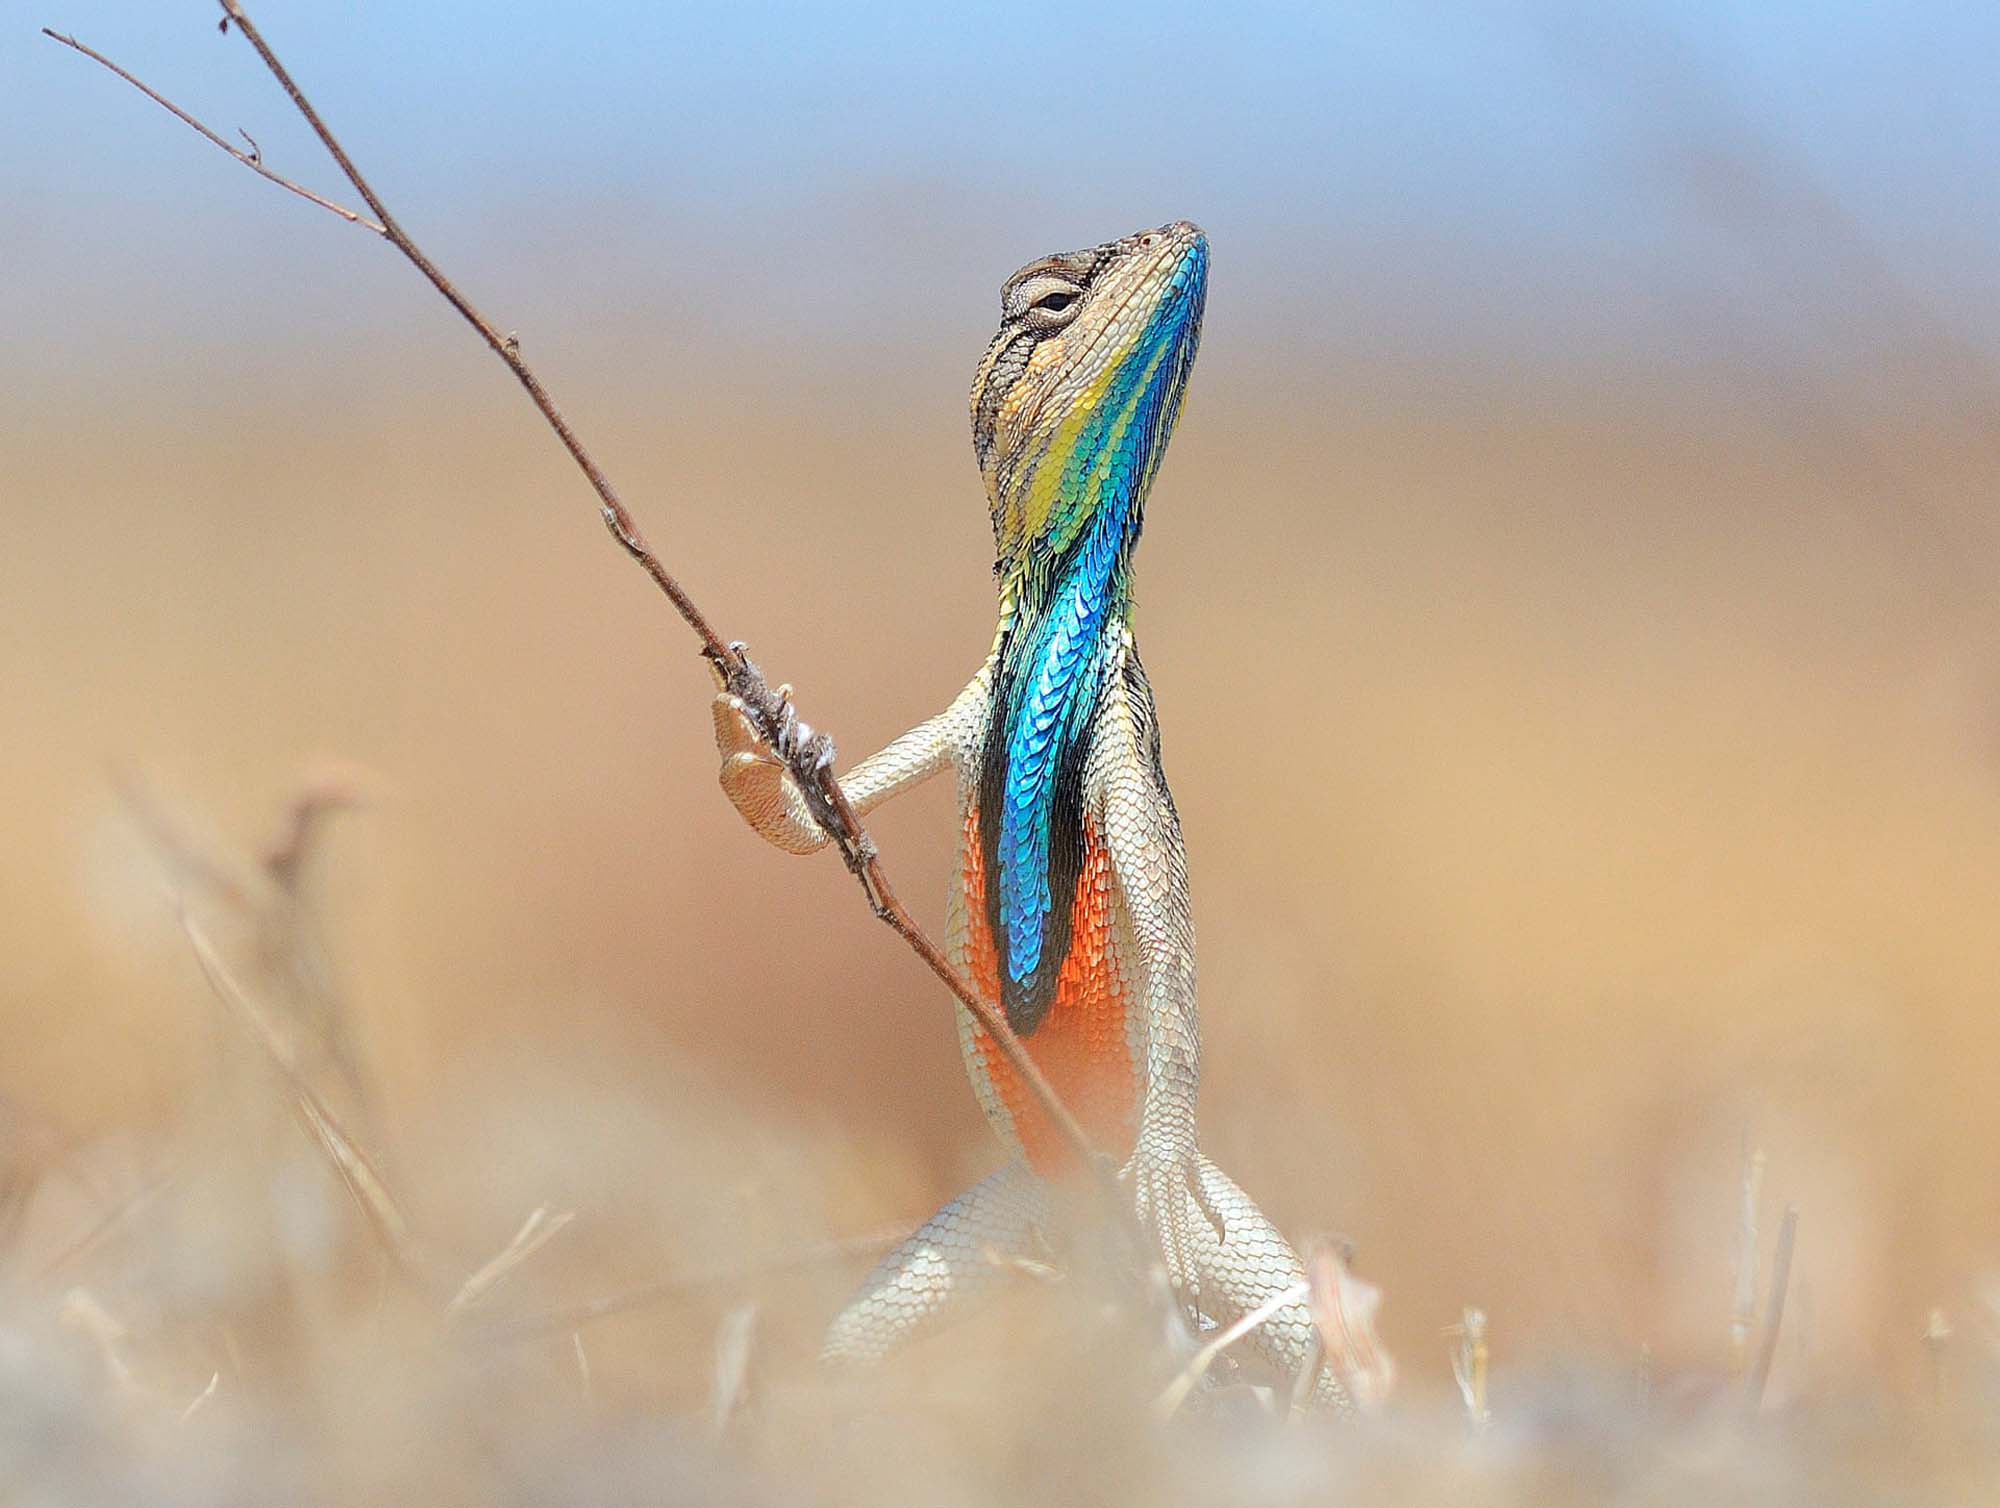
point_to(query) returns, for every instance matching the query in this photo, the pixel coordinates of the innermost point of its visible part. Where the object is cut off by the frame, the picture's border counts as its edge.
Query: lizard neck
(1069, 450)
(1059, 636)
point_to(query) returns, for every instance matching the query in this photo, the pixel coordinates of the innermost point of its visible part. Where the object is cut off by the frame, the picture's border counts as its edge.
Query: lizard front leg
(1223, 1257)
(1155, 927)
(756, 780)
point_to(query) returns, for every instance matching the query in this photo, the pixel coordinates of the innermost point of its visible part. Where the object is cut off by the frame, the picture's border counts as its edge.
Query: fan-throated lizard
(1071, 903)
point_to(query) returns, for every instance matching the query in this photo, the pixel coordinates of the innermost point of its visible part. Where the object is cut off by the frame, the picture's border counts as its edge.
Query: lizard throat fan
(1071, 412)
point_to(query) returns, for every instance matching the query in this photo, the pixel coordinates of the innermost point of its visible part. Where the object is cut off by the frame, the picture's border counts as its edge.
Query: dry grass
(1693, 895)
(241, 1308)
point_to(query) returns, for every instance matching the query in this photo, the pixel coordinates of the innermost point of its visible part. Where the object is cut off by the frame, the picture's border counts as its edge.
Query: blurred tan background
(1585, 717)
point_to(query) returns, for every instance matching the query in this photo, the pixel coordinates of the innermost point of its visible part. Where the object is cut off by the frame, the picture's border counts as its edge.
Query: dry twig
(356, 1170)
(809, 756)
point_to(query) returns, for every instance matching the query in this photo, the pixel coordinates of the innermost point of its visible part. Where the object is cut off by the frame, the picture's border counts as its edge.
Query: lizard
(1070, 908)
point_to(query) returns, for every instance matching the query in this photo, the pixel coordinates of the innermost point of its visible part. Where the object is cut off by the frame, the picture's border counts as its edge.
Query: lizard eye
(1046, 303)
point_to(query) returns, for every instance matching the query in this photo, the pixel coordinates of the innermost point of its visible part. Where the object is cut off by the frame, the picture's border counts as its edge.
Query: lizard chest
(1086, 1041)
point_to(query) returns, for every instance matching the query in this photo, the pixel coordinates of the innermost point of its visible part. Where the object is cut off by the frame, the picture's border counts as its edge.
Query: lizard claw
(1165, 1197)
(1198, 1196)
(737, 735)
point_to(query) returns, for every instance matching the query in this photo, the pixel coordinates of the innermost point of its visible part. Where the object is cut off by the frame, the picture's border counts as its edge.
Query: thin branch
(808, 756)
(252, 159)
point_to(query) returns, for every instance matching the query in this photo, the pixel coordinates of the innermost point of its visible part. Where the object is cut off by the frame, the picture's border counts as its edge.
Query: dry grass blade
(536, 1231)
(358, 1172)
(1175, 1393)
(1781, 1274)
(84, 1244)
(1743, 1310)
(82, 1311)
(1468, 1366)
(356, 1169)
(682, 1285)
(193, 862)
(1937, 1343)
(195, 1405)
(583, 1371)
(735, 1340)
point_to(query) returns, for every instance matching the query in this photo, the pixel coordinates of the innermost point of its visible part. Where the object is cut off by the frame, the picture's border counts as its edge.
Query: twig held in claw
(810, 761)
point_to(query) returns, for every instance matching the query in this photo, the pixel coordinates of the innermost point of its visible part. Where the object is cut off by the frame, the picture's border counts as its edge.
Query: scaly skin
(1071, 906)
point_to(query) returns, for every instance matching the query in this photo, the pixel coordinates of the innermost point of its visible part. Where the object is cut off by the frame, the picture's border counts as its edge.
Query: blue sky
(1540, 180)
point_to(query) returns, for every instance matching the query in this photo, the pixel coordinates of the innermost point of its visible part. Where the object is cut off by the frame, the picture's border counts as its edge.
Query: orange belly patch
(1080, 1044)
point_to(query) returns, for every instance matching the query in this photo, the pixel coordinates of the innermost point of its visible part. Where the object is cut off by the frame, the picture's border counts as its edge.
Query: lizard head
(1080, 389)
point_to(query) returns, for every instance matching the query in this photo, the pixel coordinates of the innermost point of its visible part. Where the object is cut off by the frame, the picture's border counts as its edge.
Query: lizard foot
(1167, 1197)
(756, 775)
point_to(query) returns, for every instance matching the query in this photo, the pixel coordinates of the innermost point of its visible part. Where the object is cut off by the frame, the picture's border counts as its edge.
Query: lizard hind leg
(953, 1258)
(1238, 1261)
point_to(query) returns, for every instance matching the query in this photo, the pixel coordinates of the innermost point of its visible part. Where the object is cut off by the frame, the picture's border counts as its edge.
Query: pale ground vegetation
(575, 1282)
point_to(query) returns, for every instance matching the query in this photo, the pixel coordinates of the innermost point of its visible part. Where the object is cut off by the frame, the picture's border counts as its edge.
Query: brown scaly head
(1080, 389)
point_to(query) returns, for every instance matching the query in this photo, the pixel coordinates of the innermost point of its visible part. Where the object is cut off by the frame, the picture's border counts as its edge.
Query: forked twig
(252, 159)
(808, 756)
